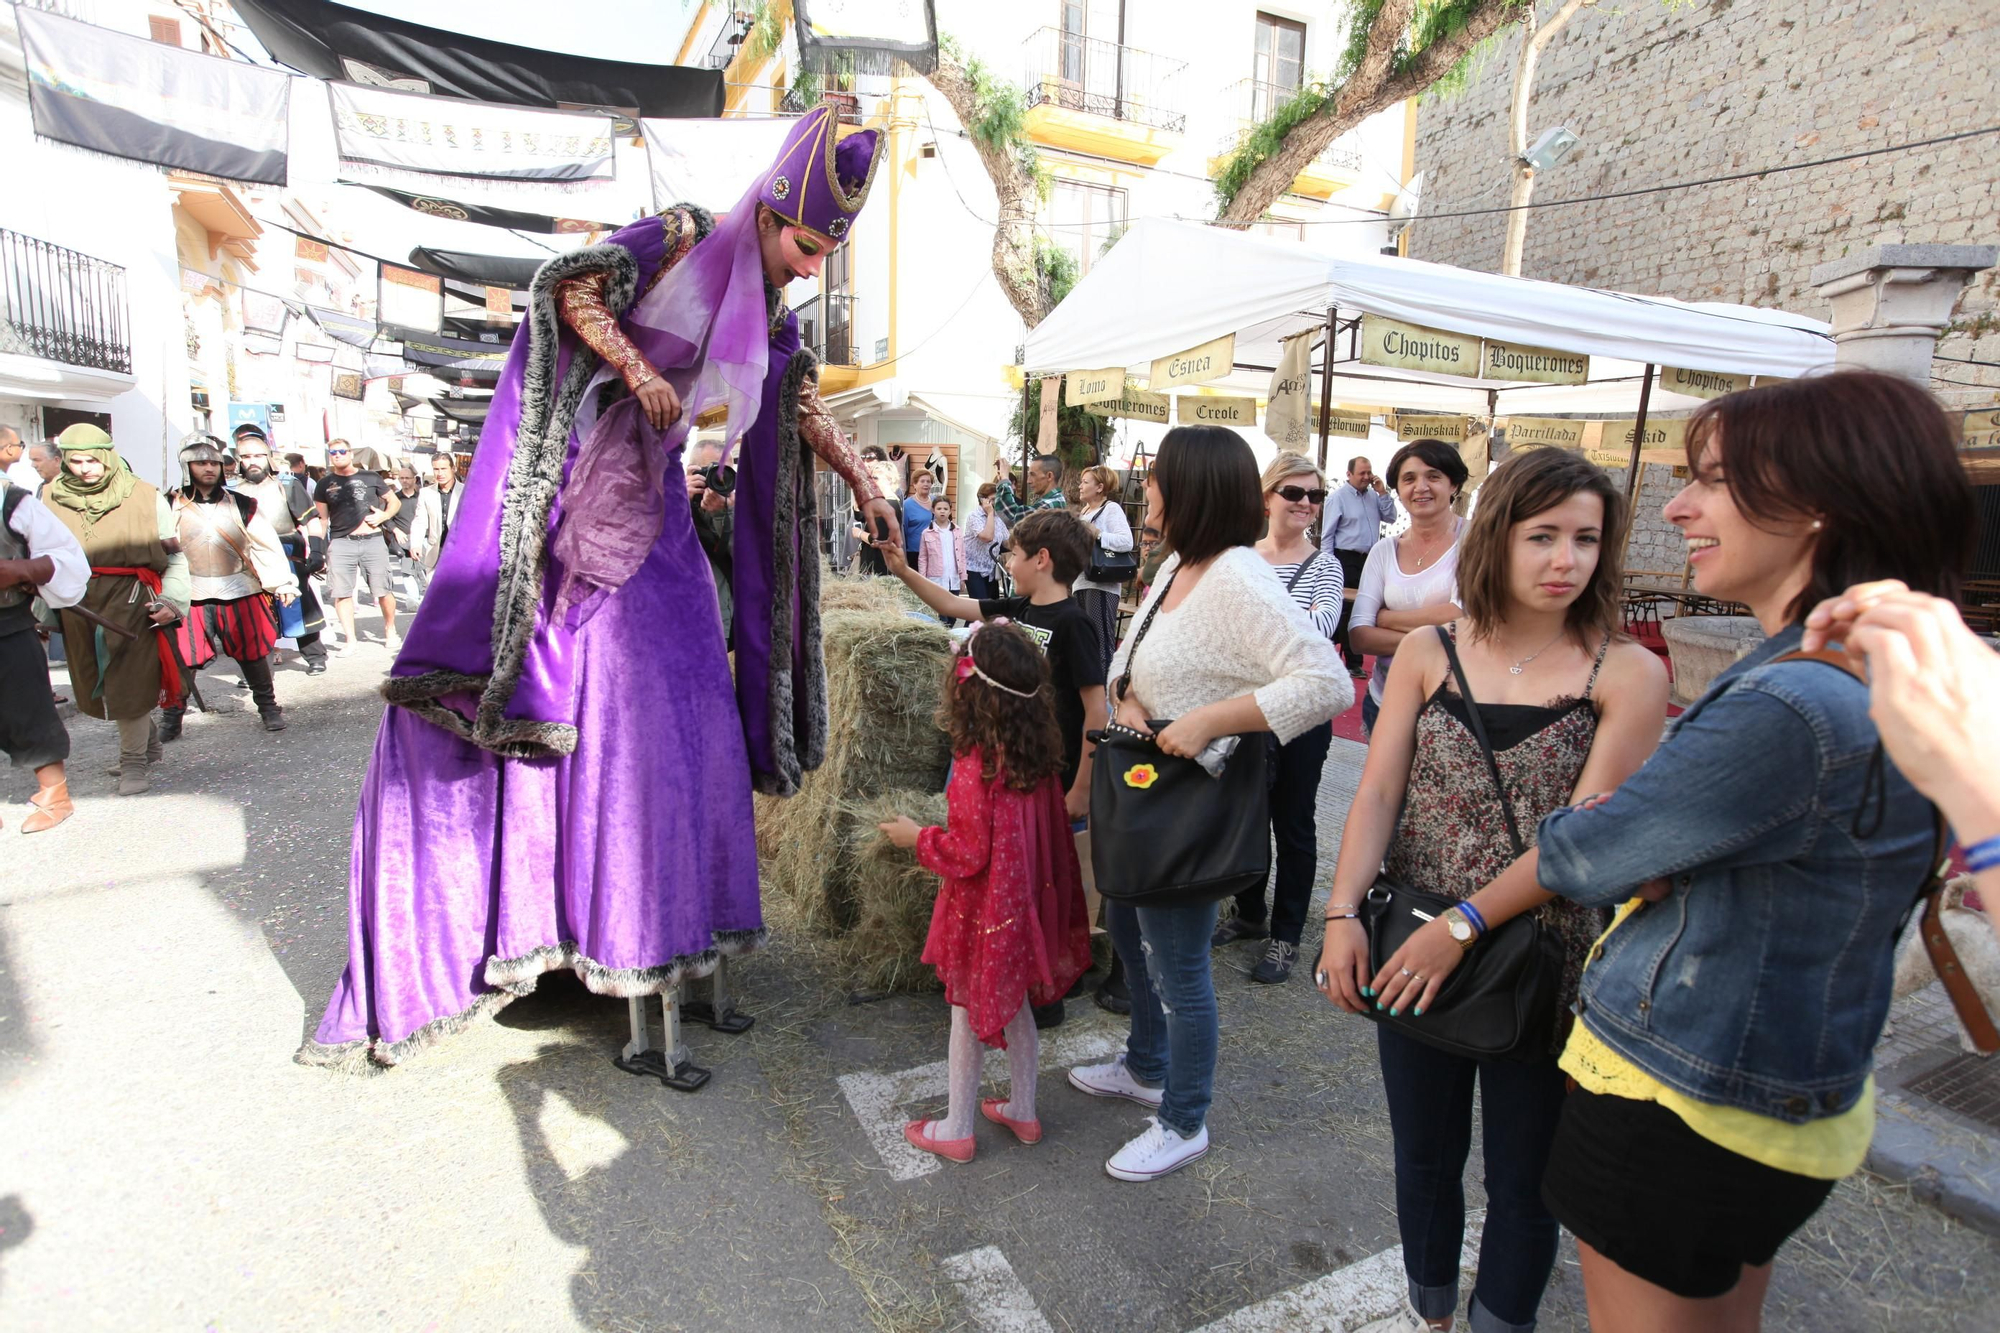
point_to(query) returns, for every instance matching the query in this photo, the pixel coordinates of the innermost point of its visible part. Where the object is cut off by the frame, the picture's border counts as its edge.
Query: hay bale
(839, 592)
(892, 893)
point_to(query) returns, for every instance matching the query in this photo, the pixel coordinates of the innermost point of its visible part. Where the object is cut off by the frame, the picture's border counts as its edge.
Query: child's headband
(968, 667)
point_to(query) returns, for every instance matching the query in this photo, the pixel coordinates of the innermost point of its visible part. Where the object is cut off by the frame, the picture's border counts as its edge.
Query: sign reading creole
(1409, 427)
(1385, 342)
(1195, 409)
(1085, 387)
(1198, 365)
(1136, 405)
(1536, 365)
(1701, 383)
(1543, 433)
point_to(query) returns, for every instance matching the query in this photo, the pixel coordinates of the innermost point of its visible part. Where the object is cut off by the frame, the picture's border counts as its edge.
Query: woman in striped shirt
(1294, 491)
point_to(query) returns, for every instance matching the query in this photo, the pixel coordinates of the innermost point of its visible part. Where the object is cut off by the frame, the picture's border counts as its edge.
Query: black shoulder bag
(1109, 566)
(1163, 833)
(1499, 1003)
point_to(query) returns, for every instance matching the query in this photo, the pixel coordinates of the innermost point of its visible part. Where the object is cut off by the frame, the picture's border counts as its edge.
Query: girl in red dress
(1009, 928)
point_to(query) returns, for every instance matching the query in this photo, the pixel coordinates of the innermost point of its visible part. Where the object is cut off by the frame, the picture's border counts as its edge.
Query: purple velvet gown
(632, 857)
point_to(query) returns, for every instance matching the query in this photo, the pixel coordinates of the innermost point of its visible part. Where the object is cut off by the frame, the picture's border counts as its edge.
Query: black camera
(718, 477)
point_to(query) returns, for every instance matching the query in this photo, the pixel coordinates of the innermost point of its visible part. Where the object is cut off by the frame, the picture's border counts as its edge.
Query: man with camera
(712, 493)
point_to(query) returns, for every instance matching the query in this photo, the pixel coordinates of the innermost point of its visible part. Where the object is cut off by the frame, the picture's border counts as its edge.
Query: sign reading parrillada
(1198, 365)
(1084, 387)
(1701, 383)
(1385, 342)
(1136, 405)
(1199, 409)
(1536, 365)
(1543, 433)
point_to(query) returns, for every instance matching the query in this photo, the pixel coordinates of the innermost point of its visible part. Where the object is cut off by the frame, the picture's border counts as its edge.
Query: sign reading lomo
(1535, 365)
(1525, 433)
(1084, 387)
(1701, 383)
(1198, 365)
(1136, 405)
(1198, 409)
(1411, 427)
(1385, 342)
(411, 299)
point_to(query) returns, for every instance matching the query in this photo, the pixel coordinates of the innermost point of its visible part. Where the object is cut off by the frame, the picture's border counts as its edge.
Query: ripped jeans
(1166, 952)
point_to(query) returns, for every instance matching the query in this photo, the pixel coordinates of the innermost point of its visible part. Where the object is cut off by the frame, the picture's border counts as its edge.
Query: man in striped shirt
(1044, 488)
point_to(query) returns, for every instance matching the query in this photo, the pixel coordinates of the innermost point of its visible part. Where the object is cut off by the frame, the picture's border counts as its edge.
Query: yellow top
(1826, 1149)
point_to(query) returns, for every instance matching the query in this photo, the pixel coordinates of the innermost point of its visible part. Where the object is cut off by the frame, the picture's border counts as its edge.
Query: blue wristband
(1983, 855)
(1472, 915)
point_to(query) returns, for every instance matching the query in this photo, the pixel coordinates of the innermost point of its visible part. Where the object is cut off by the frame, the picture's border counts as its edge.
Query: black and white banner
(150, 102)
(410, 141)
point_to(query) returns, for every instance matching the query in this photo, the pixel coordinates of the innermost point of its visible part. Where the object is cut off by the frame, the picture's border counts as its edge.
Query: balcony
(1102, 98)
(60, 305)
(1248, 103)
(826, 325)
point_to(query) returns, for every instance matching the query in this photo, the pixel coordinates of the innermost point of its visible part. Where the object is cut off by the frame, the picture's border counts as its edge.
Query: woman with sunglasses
(1294, 490)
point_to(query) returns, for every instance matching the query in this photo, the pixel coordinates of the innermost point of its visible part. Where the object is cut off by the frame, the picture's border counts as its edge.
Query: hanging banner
(1386, 342)
(1084, 387)
(347, 384)
(305, 247)
(1199, 409)
(411, 299)
(1410, 426)
(499, 305)
(452, 209)
(144, 100)
(1525, 433)
(874, 33)
(263, 312)
(1535, 365)
(1045, 437)
(1286, 404)
(1980, 430)
(1665, 442)
(1701, 383)
(514, 272)
(1198, 365)
(701, 161)
(1136, 405)
(413, 142)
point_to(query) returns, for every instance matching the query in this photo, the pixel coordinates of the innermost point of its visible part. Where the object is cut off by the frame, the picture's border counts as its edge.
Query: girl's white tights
(967, 1060)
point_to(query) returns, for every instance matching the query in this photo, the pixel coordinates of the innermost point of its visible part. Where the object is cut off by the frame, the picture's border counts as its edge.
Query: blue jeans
(1370, 710)
(1430, 1115)
(1294, 826)
(1165, 951)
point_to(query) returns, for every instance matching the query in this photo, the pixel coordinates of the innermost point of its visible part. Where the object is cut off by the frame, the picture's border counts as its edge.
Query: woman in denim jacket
(1764, 857)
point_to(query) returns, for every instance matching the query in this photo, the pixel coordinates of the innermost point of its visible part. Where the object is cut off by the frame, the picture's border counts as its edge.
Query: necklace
(1522, 664)
(1423, 560)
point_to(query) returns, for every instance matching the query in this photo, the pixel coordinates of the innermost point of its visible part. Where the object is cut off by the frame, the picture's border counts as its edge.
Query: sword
(187, 676)
(91, 617)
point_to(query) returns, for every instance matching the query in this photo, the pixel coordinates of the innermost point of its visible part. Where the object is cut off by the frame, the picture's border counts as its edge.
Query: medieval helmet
(199, 448)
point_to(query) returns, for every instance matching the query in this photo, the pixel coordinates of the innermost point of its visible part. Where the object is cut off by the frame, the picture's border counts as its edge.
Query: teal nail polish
(1394, 1012)
(1417, 1013)
(1369, 991)
(1378, 1004)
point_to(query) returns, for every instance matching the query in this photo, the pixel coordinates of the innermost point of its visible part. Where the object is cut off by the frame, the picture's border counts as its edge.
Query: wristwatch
(1460, 928)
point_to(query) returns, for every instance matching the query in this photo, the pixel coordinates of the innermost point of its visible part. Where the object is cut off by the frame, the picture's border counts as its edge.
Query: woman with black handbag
(1112, 561)
(1531, 701)
(1179, 808)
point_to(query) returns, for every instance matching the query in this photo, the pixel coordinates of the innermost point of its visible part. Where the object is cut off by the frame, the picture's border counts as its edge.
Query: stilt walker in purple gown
(563, 779)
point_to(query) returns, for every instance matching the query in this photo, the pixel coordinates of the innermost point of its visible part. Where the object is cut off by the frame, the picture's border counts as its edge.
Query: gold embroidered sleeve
(580, 301)
(825, 438)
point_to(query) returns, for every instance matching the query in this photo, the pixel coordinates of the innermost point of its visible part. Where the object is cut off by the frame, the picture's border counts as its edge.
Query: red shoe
(952, 1150)
(1027, 1131)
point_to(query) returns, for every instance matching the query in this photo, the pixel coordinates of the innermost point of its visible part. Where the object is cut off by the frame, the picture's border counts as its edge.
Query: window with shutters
(1278, 65)
(164, 30)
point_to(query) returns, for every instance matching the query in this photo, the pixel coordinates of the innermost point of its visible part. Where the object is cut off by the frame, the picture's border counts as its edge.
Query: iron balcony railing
(1248, 103)
(826, 325)
(1079, 73)
(62, 305)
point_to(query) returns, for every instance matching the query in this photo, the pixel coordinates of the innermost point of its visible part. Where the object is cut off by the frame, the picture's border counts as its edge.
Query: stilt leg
(670, 1062)
(719, 1009)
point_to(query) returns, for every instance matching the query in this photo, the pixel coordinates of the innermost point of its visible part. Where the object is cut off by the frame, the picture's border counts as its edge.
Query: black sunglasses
(1317, 495)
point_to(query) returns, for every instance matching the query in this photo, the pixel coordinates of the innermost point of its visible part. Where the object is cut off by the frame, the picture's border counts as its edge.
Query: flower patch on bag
(1141, 776)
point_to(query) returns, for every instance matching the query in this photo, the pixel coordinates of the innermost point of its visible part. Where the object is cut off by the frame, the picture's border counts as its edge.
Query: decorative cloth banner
(1412, 426)
(1388, 342)
(1347, 425)
(514, 272)
(1047, 435)
(1286, 406)
(1665, 442)
(465, 354)
(1524, 433)
(1136, 405)
(1200, 409)
(343, 327)
(873, 33)
(410, 141)
(457, 211)
(1701, 383)
(1081, 388)
(263, 312)
(1533, 365)
(411, 299)
(1213, 360)
(701, 161)
(144, 100)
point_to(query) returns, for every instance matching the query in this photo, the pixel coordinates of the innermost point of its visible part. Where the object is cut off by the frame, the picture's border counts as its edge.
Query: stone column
(1890, 302)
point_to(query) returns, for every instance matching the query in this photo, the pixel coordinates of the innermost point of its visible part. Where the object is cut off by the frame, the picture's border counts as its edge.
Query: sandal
(1027, 1131)
(917, 1133)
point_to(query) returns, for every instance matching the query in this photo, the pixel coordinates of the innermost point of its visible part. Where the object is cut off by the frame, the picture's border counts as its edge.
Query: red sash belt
(171, 692)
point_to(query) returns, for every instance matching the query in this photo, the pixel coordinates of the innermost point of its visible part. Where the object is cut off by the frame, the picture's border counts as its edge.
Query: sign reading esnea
(1198, 365)
(1388, 342)
(1195, 409)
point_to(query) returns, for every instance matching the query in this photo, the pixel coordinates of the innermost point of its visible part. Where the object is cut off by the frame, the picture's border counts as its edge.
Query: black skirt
(31, 732)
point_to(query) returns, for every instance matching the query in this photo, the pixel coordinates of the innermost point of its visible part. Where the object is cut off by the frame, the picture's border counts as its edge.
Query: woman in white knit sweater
(1228, 653)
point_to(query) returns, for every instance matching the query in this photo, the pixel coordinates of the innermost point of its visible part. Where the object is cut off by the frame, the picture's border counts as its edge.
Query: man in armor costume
(286, 500)
(565, 778)
(234, 561)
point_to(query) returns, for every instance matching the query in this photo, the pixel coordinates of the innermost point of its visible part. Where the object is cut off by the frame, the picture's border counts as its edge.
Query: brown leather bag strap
(1965, 999)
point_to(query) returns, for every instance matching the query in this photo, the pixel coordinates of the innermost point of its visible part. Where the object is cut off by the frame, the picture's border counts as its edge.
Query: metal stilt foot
(670, 1061)
(719, 1010)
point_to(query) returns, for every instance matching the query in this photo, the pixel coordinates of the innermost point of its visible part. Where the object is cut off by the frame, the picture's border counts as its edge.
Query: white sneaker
(1114, 1080)
(393, 642)
(1405, 1320)
(1158, 1152)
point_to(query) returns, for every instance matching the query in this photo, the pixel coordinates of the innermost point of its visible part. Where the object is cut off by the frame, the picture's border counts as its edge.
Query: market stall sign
(1094, 386)
(1535, 365)
(1199, 409)
(1198, 365)
(1665, 443)
(1388, 342)
(1045, 436)
(1136, 405)
(1410, 427)
(1543, 433)
(1701, 383)
(1347, 425)
(1981, 429)
(1285, 410)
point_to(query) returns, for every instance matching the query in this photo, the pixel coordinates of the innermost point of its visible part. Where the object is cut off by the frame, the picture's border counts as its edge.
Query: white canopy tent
(1168, 286)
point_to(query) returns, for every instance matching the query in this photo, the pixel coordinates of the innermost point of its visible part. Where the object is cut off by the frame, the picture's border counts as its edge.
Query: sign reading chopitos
(1200, 409)
(1198, 365)
(1412, 427)
(1136, 405)
(1665, 442)
(1387, 342)
(1525, 433)
(1701, 383)
(1535, 365)
(1084, 387)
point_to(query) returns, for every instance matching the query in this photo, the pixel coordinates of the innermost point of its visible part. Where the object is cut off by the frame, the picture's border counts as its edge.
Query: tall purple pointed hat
(820, 180)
